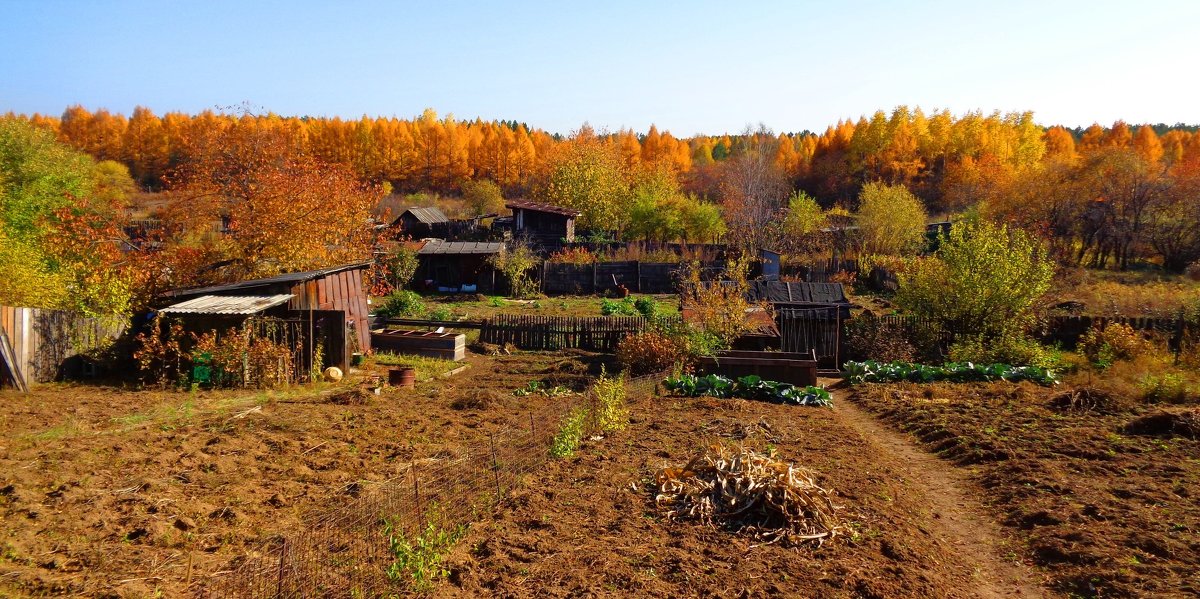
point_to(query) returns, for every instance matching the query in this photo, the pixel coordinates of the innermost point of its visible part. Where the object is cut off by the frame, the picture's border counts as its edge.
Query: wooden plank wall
(600, 333)
(339, 291)
(587, 279)
(44, 339)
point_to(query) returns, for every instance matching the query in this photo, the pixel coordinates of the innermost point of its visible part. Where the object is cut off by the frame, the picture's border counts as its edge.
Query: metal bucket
(402, 377)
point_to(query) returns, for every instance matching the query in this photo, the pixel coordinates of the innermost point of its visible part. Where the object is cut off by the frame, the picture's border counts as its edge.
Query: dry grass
(1126, 294)
(751, 492)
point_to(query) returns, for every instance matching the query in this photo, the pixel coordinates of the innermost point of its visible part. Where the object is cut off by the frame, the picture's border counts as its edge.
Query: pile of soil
(1103, 514)
(1182, 423)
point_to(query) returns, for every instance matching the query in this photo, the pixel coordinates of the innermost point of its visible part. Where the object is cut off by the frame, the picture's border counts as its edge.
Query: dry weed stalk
(752, 492)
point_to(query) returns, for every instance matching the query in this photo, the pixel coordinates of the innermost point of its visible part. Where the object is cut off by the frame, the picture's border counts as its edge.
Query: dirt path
(956, 517)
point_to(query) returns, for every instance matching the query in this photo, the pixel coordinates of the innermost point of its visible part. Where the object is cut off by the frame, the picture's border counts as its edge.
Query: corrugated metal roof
(798, 293)
(461, 247)
(293, 277)
(538, 207)
(227, 304)
(429, 216)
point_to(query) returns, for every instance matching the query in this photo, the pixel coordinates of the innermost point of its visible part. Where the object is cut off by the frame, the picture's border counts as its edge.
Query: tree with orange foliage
(281, 211)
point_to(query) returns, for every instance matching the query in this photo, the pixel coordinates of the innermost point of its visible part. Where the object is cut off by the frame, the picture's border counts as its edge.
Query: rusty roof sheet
(429, 216)
(287, 278)
(539, 207)
(461, 247)
(228, 304)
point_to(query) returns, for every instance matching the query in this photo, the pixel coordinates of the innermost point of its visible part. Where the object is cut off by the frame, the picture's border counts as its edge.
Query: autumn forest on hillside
(296, 192)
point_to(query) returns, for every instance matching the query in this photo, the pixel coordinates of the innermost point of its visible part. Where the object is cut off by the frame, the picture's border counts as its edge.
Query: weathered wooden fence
(48, 343)
(1065, 331)
(587, 279)
(600, 333)
(812, 331)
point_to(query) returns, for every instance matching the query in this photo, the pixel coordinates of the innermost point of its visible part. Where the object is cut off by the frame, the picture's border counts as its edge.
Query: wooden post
(416, 486)
(495, 467)
(282, 562)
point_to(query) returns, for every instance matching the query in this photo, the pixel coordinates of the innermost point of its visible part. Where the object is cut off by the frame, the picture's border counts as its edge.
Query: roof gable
(539, 207)
(428, 216)
(287, 278)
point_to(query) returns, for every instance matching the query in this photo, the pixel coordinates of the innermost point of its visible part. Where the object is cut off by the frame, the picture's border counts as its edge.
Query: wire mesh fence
(345, 552)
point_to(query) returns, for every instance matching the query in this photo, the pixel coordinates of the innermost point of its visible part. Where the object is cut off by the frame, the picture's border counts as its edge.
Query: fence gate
(812, 330)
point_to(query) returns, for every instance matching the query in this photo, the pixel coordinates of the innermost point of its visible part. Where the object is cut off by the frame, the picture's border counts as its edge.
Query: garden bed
(1103, 502)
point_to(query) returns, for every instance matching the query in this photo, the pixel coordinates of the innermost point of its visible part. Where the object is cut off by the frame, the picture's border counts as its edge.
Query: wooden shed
(331, 298)
(420, 223)
(458, 266)
(542, 222)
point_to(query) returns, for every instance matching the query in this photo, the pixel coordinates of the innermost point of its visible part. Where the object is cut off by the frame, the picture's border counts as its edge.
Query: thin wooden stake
(495, 467)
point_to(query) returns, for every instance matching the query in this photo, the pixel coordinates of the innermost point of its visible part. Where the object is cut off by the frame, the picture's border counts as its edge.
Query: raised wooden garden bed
(447, 346)
(787, 367)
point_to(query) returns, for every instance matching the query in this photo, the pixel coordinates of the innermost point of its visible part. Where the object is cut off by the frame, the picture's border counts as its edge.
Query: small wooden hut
(330, 303)
(542, 223)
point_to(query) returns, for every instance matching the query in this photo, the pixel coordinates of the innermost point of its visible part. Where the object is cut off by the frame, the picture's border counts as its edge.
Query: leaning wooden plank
(9, 359)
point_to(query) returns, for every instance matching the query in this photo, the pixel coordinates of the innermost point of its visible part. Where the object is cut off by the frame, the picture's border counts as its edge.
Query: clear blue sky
(689, 67)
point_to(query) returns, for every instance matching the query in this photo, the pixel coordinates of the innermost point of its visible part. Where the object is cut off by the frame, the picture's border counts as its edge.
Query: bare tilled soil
(589, 526)
(999, 491)
(108, 492)
(1101, 493)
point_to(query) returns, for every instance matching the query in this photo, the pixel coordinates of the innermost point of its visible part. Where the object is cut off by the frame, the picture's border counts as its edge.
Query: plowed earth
(106, 492)
(588, 525)
(999, 490)
(1101, 494)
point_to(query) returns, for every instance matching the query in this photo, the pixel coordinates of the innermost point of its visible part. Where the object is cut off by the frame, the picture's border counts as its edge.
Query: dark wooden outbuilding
(542, 223)
(332, 301)
(420, 223)
(458, 266)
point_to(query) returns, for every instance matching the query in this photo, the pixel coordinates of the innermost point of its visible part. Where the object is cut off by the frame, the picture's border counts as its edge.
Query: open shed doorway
(329, 333)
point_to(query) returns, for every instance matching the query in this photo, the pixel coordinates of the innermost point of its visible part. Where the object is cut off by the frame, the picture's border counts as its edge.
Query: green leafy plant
(536, 388)
(609, 410)
(1116, 342)
(889, 372)
(646, 306)
(570, 435)
(515, 263)
(420, 562)
(402, 304)
(1170, 388)
(621, 307)
(984, 278)
(401, 266)
(747, 387)
(441, 313)
(1011, 347)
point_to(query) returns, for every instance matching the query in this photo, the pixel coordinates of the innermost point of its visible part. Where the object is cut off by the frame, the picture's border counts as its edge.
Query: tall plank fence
(48, 343)
(588, 279)
(599, 333)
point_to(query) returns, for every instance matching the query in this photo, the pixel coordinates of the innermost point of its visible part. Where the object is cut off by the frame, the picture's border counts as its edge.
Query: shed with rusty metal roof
(543, 223)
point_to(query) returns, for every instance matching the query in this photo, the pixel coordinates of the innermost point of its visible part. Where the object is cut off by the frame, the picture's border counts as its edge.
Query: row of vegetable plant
(747, 387)
(888, 372)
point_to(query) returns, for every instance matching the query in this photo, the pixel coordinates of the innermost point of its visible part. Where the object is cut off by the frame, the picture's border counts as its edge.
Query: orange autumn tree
(249, 197)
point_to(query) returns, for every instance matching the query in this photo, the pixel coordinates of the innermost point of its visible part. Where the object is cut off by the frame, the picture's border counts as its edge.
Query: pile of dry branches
(752, 493)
